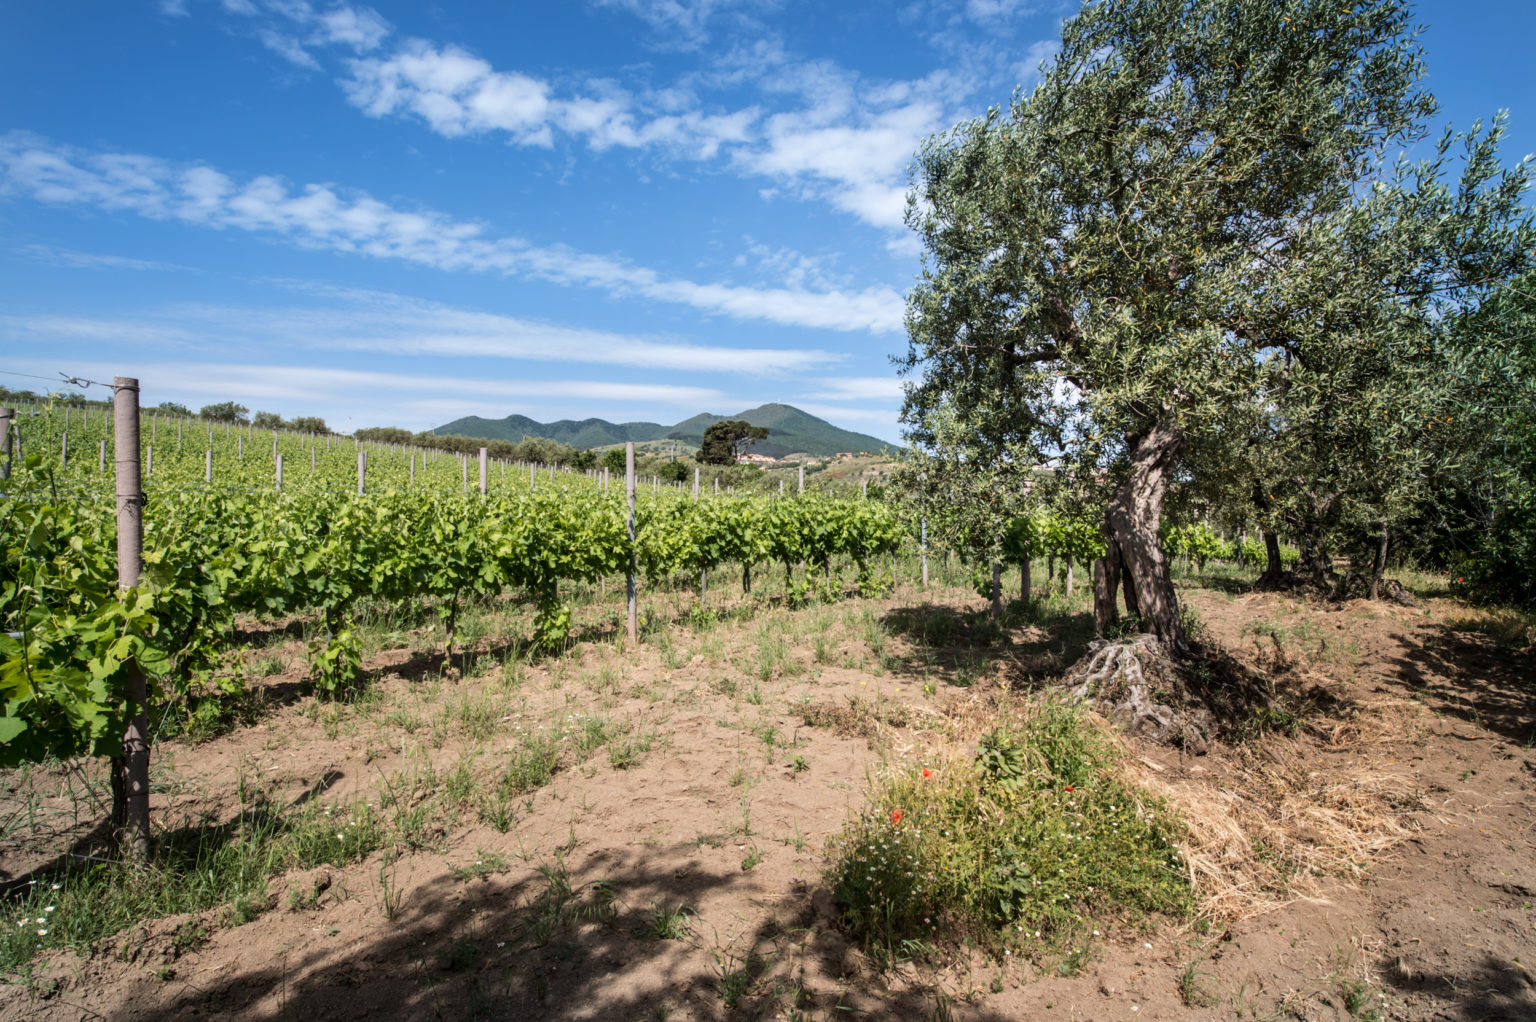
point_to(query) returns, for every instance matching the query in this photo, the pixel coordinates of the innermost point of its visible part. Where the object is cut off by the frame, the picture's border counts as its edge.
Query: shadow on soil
(1471, 677)
(1499, 989)
(560, 945)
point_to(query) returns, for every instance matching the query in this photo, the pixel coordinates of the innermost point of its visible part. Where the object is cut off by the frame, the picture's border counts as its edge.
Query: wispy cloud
(320, 216)
(860, 388)
(305, 389)
(53, 255)
(686, 24)
(884, 420)
(292, 28)
(381, 323)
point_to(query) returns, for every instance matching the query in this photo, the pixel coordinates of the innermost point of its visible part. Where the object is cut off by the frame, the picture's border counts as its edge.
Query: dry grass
(1268, 827)
(1506, 627)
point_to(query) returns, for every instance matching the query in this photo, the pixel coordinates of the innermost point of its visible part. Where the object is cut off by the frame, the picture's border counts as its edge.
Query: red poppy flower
(927, 772)
(895, 815)
(1070, 788)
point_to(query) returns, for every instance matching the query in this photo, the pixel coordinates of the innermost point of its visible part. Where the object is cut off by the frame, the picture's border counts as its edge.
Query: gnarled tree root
(1181, 699)
(1355, 586)
(1137, 684)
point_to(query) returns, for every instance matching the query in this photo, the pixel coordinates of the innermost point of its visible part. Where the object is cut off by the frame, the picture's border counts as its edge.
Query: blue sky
(401, 213)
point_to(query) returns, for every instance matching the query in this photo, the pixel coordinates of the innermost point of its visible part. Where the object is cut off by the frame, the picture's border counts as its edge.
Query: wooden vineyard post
(279, 463)
(64, 446)
(802, 479)
(7, 418)
(695, 482)
(240, 447)
(531, 471)
(464, 468)
(149, 462)
(362, 471)
(311, 456)
(922, 546)
(101, 457)
(484, 466)
(632, 620)
(781, 487)
(413, 469)
(132, 782)
(207, 466)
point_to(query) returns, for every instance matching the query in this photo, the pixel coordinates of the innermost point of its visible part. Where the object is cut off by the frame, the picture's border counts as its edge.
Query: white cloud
(455, 92)
(358, 27)
(317, 216)
(859, 163)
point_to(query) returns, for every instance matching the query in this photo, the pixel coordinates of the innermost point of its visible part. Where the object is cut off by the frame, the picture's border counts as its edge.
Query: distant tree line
(532, 448)
(223, 411)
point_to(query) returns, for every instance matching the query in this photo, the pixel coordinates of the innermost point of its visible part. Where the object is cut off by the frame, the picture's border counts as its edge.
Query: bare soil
(1371, 852)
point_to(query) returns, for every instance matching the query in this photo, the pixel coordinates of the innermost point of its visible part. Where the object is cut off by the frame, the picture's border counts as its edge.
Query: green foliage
(725, 441)
(224, 411)
(335, 664)
(1039, 835)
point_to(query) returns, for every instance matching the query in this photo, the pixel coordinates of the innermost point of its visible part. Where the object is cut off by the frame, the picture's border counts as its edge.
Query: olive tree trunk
(1379, 565)
(1272, 565)
(1134, 561)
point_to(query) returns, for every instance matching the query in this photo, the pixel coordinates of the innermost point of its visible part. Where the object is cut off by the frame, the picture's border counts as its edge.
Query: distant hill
(790, 431)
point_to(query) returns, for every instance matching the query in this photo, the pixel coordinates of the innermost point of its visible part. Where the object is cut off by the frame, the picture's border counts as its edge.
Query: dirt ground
(1381, 860)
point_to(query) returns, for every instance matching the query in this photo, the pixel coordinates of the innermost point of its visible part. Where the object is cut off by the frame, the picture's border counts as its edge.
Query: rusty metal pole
(130, 565)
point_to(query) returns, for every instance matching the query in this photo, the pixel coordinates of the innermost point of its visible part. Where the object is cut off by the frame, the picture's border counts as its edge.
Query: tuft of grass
(669, 922)
(1037, 837)
(485, 863)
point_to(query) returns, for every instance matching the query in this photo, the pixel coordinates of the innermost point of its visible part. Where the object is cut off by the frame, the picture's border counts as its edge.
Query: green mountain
(790, 431)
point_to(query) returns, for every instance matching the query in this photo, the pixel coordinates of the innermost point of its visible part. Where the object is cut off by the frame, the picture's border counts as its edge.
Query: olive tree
(1135, 239)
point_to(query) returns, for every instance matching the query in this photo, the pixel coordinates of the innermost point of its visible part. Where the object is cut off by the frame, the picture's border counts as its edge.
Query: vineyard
(217, 550)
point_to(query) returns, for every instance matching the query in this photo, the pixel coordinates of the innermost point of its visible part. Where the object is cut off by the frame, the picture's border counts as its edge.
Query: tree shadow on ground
(1498, 989)
(558, 944)
(956, 645)
(1472, 677)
